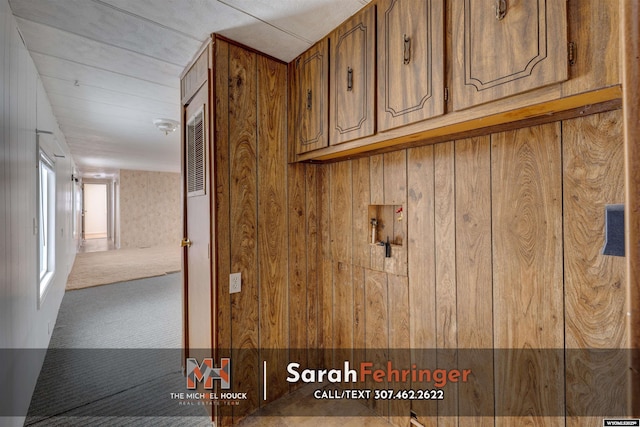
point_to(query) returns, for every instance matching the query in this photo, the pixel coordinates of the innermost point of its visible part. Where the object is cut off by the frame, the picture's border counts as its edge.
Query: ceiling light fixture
(166, 125)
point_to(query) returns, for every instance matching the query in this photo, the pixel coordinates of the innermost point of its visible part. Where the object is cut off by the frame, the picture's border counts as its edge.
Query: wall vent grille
(196, 159)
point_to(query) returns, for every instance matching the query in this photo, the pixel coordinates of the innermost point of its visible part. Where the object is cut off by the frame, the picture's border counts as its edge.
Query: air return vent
(196, 160)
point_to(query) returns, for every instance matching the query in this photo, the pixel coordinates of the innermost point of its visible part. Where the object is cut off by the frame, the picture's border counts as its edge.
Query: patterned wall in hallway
(149, 208)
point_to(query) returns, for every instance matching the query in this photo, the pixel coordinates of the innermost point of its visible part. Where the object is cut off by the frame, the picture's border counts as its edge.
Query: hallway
(115, 352)
(96, 245)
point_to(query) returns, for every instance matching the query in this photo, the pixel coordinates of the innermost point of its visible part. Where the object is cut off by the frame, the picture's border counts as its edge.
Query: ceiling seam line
(135, 15)
(100, 42)
(109, 103)
(111, 90)
(104, 69)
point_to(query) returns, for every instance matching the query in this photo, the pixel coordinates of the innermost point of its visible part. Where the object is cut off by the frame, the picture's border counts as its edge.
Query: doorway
(97, 217)
(95, 211)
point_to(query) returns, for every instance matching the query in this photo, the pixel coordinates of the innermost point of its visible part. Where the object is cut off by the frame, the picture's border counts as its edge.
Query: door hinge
(446, 94)
(571, 53)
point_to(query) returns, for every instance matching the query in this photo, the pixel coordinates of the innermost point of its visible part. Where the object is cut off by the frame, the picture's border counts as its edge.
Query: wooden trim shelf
(475, 122)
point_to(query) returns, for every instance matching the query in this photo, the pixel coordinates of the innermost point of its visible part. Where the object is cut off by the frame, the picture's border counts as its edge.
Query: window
(46, 221)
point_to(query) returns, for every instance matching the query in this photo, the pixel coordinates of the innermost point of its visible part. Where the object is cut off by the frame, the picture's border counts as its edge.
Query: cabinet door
(504, 47)
(410, 61)
(312, 72)
(352, 83)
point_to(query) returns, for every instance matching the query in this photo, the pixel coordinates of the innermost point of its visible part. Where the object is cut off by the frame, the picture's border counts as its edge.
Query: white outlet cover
(235, 283)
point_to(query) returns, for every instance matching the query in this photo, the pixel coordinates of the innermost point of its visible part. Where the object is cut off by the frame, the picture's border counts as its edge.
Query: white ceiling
(112, 66)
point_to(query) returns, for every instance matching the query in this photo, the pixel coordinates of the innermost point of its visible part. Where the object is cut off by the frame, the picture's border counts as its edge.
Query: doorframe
(112, 203)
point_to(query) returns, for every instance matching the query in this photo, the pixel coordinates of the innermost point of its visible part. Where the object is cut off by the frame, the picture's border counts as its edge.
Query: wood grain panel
(376, 171)
(395, 193)
(325, 269)
(313, 294)
(445, 249)
(222, 237)
(445, 256)
(361, 251)
(410, 74)
(341, 247)
(474, 304)
(325, 285)
(352, 82)
(272, 225)
(343, 311)
(399, 339)
(527, 275)
(495, 58)
(312, 99)
(395, 178)
(595, 294)
(421, 260)
(291, 112)
(361, 221)
(593, 26)
(242, 122)
(297, 309)
(340, 213)
(324, 210)
(377, 332)
(359, 317)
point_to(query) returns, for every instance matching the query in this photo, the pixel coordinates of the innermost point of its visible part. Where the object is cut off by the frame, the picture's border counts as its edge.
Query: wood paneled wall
(504, 240)
(504, 234)
(251, 217)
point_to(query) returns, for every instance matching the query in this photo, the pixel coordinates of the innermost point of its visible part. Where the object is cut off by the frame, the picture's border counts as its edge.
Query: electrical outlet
(235, 283)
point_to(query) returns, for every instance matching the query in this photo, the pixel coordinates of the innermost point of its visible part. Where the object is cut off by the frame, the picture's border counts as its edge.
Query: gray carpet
(115, 358)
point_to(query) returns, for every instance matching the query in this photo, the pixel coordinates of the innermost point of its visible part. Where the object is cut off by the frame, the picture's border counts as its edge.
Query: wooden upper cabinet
(504, 47)
(352, 83)
(410, 61)
(311, 99)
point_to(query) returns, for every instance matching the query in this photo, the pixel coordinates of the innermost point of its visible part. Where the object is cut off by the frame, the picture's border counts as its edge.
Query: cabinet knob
(501, 9)
(349, 79)
(308, 99)
(407, 49)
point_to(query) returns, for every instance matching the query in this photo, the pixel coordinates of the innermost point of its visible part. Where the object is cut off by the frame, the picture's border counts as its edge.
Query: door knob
(185, 242)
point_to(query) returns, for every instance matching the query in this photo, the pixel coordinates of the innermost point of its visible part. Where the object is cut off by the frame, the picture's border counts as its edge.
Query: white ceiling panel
(198, 18)
(267, 39)
(63, 88)
(72, 72)
(136, 133)
(71, 108)
(309, 21)
(60, 44)
(98, 21)
(97, 159)
(111, 66)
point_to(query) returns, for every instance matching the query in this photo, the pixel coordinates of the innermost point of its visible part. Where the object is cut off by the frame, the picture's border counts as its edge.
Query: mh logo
(208, 373)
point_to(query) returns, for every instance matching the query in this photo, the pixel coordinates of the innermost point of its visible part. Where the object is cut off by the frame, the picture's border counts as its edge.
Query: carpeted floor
(100, 268)
(114, 359)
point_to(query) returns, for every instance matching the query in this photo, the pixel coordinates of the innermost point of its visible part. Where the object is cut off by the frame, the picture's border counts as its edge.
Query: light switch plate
(235, 283)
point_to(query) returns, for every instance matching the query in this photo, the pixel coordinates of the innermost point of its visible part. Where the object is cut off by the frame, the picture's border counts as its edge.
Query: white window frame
(46, 223)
